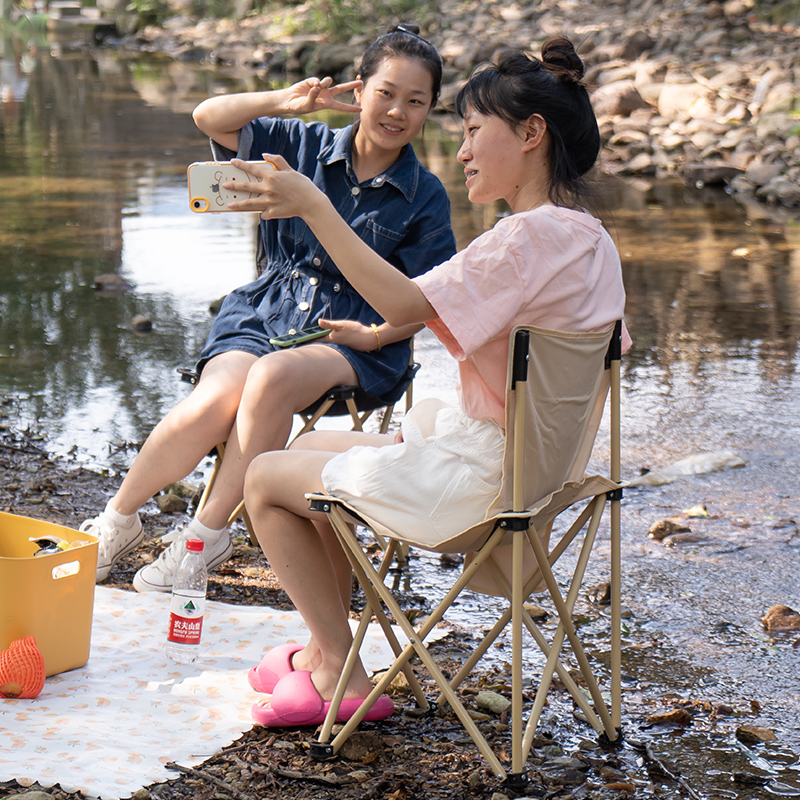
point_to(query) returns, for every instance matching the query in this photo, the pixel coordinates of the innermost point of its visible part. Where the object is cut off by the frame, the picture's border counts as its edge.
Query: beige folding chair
(556, 392)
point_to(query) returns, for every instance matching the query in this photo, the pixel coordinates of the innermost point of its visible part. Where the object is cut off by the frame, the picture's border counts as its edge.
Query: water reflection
(93, 150)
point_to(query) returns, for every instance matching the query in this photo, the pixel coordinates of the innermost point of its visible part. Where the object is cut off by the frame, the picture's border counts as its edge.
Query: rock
(699, 464)
(692, 537)
(171, 504)
(141, 324)
(536, 612)
(759, 173)
(781, 190)
(677, 716)
(781, 618)
(601, 594)
(675, 99)
(492, 701)
(182, 489)
(32, 796)
(709, 174)
(361, 745)
(636, 44)
(617, 99)
(752, 734)
(700, 511)
(110, 285)
(215, 305)
(665, 527)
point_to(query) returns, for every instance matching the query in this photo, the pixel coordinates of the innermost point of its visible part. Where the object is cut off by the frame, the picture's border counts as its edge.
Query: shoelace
(172, 555)
(104, 529)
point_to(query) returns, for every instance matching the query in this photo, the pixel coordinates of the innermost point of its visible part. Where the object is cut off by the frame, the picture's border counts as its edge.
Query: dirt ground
(406, 757)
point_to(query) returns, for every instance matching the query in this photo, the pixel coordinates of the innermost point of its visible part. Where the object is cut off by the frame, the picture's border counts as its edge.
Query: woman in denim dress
(249, 390)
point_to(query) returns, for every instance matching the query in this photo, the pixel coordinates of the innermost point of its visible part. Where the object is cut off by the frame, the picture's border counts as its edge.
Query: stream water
(93, 152)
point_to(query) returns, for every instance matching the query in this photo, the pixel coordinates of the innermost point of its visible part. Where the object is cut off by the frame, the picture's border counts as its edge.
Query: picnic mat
(110, 727)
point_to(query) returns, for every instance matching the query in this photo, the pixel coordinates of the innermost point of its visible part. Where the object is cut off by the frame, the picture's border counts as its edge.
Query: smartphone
(206, 194)
(306, 335)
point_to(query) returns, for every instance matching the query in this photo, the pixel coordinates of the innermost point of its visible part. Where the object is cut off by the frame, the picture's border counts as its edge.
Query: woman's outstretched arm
(282, 193)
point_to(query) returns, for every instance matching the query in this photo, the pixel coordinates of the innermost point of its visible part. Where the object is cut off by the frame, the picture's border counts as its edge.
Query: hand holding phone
(306, 335)
(206, 179)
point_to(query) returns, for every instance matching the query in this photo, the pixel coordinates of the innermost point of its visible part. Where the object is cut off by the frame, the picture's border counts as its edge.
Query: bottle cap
(194, 545)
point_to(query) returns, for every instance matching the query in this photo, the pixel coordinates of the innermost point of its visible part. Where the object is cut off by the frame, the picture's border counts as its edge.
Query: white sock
(208, 535)
(123, 520)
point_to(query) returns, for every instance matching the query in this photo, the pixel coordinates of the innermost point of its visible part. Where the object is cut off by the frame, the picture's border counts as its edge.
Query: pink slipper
(276, 663)
(295, 701)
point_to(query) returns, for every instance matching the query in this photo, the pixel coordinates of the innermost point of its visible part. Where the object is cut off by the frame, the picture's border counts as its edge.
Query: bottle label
(186, 619)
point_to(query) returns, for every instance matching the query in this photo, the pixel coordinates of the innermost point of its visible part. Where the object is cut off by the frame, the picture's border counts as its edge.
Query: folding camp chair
(556, 392)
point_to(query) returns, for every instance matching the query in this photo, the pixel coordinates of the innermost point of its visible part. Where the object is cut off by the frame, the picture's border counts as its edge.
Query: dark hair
(404, 41)
(517, 85)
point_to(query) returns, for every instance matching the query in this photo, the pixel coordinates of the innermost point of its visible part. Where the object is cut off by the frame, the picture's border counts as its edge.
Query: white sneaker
(158, 576)
(115, 541)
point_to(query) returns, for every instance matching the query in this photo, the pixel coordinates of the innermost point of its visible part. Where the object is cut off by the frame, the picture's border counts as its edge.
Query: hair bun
(405, 27)
(559, 56)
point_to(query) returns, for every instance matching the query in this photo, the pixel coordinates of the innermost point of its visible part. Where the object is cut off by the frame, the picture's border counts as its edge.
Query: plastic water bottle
(188, 604)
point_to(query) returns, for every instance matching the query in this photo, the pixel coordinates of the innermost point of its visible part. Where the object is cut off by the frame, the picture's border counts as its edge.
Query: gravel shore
(708, 91)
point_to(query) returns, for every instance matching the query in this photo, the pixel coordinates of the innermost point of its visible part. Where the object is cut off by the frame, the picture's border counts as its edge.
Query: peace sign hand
(314, 94)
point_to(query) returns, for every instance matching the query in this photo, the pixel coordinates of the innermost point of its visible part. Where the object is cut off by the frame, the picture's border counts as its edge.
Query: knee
(258, 481)
(312, 440)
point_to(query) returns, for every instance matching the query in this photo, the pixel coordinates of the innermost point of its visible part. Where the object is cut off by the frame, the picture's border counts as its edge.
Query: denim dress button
(313, 281)
(317, 262)
(303, 306)
(355, 191)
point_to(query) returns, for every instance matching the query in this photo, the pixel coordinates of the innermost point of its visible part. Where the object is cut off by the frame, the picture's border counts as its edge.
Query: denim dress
(403, 214)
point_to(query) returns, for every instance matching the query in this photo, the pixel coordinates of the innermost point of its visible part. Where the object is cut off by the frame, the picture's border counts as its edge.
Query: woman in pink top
(530, 135)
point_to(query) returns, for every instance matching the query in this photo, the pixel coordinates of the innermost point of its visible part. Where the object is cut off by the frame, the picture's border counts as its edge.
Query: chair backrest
(552, 425)
(555, 394)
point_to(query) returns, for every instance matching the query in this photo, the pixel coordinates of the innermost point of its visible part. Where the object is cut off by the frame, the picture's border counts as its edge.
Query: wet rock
(141, 324)
(171, 504)
(537, 612)
(752, 734)
(665, 527)
(781, 618)
(492, 701)
(699, 511)
(110, 285)
(677, 716)
(710, 173)
(699, 464)
(215, 305)
(782, 190)
(601, 594)
(692, 537)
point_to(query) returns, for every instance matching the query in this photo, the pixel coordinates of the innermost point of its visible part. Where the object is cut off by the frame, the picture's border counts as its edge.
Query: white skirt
(436, 483)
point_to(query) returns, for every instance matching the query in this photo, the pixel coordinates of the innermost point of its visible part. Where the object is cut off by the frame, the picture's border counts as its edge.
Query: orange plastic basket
(49, 597)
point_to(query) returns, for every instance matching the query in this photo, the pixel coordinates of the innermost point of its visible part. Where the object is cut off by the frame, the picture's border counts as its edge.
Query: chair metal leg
(416, 640)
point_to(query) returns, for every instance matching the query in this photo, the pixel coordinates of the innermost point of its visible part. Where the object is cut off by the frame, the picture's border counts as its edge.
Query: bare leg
(275, 487)
(278, 385)
(188, 433)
